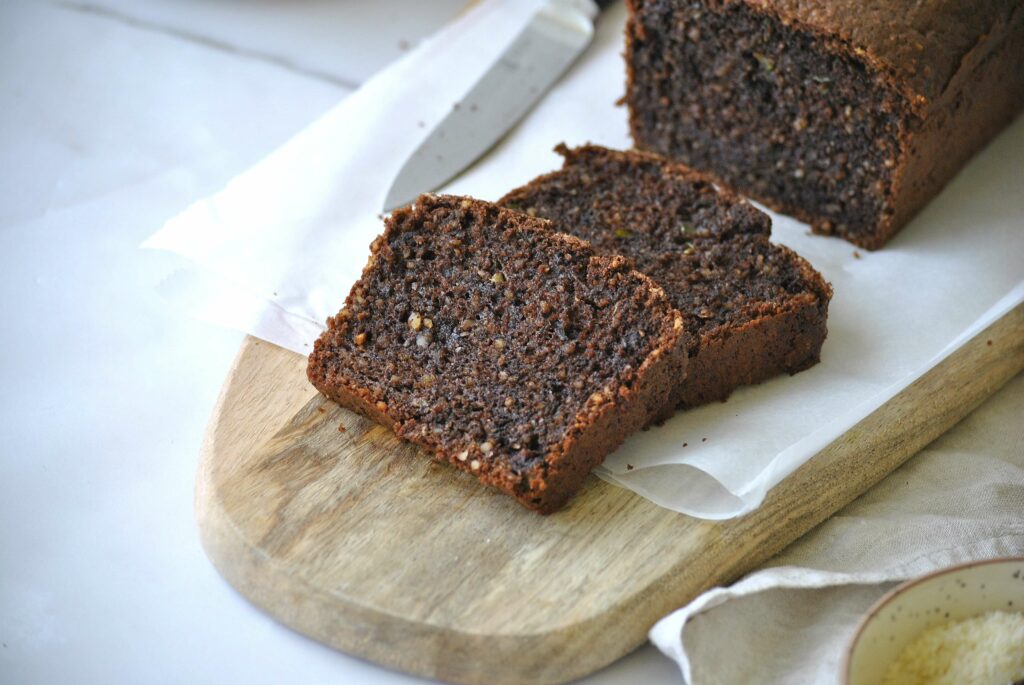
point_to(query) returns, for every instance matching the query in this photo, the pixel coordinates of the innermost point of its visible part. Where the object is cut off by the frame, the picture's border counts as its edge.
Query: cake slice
(751, 309)
(505, 348)
(848, 114)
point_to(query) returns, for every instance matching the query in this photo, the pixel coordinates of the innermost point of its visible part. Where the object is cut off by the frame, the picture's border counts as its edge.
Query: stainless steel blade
(552, 39)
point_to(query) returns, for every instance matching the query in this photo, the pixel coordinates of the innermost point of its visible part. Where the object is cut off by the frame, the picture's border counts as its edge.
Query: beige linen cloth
(960, 499)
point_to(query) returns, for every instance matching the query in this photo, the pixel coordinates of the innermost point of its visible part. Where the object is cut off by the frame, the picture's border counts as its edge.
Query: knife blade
(549, 43)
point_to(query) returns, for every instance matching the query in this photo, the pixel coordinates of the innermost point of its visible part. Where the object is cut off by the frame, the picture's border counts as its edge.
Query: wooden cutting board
(340, 531)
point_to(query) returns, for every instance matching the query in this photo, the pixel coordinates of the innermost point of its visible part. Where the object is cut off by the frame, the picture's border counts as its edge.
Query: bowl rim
(869, 615)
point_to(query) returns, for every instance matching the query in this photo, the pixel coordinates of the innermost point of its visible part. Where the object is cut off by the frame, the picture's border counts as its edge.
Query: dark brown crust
(601, 423)
(959, 68)
(981, 98)
(787, 341)
(778, 336)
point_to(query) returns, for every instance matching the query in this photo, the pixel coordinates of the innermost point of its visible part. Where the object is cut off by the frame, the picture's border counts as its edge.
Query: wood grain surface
(340, 531)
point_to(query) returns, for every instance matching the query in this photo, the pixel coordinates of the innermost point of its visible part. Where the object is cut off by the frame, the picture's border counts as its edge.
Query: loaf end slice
(846, 114)
(751, 309)
(511, 351)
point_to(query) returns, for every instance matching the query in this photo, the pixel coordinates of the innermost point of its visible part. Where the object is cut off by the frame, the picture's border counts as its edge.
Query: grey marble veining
(342, 41)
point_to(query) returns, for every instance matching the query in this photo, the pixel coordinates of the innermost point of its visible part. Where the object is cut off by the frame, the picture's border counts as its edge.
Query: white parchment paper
(276, 251)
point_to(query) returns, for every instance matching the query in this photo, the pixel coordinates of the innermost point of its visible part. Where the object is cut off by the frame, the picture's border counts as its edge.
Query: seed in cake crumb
(766, 63)
(509, 402)
(463, 455)
(486, 447)
(689, 249)
(428, 323)
(623, 233)
(383, 406)
(475, 464)
(502, 375)
(545, 307)
(705, 313)
(415, 321)
(799, 124)
(498, 277)
(597, 398)
(360, 339)
(499, 344)
(532, 211)
(465, 204)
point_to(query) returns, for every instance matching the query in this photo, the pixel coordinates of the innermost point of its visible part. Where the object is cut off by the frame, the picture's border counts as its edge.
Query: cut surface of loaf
(847, 114)
(505, 348)
(751, 309)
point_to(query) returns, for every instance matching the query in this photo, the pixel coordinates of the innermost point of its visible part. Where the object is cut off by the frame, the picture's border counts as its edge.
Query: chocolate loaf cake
(503, 347)
(848, 114)
(751, 309)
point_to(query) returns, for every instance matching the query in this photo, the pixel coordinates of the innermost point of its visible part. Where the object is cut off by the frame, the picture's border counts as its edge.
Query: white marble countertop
(115, 115)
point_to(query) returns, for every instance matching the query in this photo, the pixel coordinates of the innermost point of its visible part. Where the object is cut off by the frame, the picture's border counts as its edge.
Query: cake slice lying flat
(503, 347)
(751, 309)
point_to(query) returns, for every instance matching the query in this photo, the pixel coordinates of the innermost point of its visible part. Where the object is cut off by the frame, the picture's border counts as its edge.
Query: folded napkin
(276, 251)
(960, 499)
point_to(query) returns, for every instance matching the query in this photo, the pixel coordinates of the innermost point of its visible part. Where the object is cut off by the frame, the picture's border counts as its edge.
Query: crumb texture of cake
(848, 114)
(751, 309)
(507, 349)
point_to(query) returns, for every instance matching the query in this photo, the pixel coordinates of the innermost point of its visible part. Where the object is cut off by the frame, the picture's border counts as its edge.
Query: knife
(551, 41)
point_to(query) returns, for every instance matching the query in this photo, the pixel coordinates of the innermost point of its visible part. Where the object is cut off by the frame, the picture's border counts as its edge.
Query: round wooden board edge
(435, 651)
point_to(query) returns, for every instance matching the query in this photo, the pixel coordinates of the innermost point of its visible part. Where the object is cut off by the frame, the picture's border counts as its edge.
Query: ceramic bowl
(955, 593)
